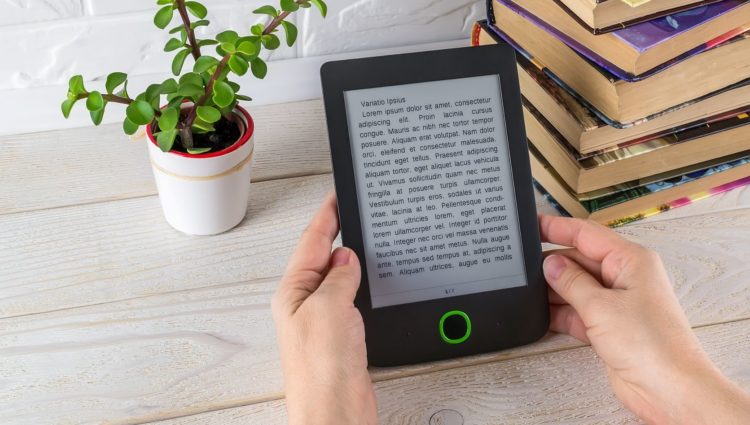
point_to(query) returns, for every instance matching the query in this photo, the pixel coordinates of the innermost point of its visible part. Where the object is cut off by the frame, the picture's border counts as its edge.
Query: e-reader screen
(435, 189)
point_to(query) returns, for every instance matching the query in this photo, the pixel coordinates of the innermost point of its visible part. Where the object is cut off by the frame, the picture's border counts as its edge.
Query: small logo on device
(446, 417)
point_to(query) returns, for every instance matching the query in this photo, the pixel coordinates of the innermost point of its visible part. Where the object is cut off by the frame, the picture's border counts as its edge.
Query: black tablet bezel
(408, 333)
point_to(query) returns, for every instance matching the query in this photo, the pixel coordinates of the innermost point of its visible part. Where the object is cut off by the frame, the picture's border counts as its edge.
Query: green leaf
(238, 65)
(197, 151)
(204, 63)
(289, 5)
(207, 42)
(190, 90)
(192, 78)
(259, 68)
(201, 126)
(178, 28)
(168, 86)
(114, 80)
(173, 44)
(227, 36)
(140, 112)
(152, 91)
(257, 29)
(179, 60)
(174, 100)
(270, 41)
(228, 47)
(291, 32)
(95, 101)
(248, 48)
(198, 10)
(233, 85)
(75, 85)
(168, 118)
(201, 23)
(165, 139)
(97, 116)
(321, 5)
(243, 97)
(163, 17)
(223, 94)
(66, 106)
(161, 2)
(208, 114)
(129, 127)
(266, 10)
(124, 91)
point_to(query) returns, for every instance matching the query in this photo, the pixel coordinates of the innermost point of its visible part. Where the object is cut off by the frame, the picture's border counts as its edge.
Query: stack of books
(630, 110)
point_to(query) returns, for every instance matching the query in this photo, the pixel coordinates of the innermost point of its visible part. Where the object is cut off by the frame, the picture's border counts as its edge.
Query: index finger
(591, 239)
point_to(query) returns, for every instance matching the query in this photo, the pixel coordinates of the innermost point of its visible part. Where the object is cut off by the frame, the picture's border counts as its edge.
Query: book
(587, 131)
(643, 48)
(623, 208)
(645, 159)
(721, 68)
(603, 16)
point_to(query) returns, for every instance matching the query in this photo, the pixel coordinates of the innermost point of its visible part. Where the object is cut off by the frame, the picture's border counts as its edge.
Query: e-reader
(431, 169)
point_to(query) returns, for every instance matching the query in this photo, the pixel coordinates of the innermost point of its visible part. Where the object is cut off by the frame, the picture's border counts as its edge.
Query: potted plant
(201, 139)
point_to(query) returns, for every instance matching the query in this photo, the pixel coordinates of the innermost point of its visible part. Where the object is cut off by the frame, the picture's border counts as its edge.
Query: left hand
(320, 332)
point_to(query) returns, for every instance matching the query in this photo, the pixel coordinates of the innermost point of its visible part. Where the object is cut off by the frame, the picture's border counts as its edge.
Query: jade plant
(199, 102)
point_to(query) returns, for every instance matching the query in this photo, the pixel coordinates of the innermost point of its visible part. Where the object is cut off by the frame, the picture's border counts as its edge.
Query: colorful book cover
(495, 31)
(643, 36)
(630, 149)
(619, 197)
(626, 24)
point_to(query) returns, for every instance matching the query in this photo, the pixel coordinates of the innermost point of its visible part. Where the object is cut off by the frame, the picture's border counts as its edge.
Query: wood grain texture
(161, 356)
(88, 254)
(567, 386)
(95, 164)
(190, 332)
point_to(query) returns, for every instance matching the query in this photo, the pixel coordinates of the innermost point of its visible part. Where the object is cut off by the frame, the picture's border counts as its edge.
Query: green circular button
(466, 325)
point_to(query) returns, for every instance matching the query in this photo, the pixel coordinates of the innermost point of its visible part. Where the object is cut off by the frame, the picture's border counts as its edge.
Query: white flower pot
(208, 193)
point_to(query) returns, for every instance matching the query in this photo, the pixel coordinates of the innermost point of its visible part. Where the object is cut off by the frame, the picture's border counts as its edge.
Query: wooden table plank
(562, 387)
(188, 332)
(98, 253)
(95, 164)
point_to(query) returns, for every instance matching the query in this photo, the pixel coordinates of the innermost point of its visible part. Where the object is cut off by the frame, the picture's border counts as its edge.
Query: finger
(572, 283)
(343, 277)
(564, 319)
(555, 298)
(307, 265)
(591, 239)
(310, 259)
(594, 268)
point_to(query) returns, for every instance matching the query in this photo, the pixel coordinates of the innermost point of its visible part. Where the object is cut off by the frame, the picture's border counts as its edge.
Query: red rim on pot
(243, 139)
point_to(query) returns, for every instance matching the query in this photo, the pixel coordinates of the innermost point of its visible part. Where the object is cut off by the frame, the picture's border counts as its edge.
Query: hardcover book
(603, 16)
(622, 103)
(626, 207)
(657, 156)
(641, 50)
(587, 130)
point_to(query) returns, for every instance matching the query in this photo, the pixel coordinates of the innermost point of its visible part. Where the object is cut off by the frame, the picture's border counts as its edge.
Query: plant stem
(209, 88)
(195, 49)
(275, 22)
(117, 99)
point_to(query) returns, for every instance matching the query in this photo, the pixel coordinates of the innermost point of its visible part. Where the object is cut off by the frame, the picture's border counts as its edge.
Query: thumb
(343, 276)
(572, 283)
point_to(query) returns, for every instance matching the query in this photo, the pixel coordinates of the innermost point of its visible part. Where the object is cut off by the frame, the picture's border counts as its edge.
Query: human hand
(320, 333)
(616, 295)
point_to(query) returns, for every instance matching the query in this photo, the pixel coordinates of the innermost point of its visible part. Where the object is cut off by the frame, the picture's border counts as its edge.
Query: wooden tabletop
(109, 316)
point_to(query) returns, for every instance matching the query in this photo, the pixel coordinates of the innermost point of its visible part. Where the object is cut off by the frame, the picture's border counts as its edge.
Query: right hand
(616, 295)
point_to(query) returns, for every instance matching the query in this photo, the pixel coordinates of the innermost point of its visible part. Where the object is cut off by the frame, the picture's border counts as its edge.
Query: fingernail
(340, 257)
(553, 267)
